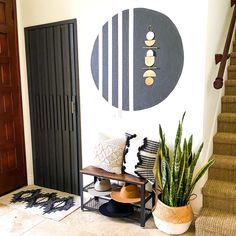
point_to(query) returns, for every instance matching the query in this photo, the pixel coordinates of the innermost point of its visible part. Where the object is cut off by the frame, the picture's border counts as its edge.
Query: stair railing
(218, 83)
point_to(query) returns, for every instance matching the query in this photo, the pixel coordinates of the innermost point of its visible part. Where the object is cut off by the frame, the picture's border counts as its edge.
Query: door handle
(73, 107)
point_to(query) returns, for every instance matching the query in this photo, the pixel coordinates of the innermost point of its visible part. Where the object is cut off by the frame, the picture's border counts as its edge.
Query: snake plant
(174, 169)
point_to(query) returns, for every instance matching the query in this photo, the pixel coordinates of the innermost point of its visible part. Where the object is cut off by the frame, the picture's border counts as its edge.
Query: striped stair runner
(218, 215)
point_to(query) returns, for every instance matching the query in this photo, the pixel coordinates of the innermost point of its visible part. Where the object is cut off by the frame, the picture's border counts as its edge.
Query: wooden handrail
(218, 83)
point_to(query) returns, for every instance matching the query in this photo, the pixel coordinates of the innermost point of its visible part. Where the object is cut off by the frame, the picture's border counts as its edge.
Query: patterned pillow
(109, 154)
(147, 154)
(131, 159)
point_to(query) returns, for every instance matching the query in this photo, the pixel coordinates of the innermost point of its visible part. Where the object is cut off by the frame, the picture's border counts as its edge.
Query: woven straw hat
(127, 194)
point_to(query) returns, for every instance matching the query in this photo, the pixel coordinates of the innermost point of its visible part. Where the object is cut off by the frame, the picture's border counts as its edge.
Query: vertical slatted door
(54, 104)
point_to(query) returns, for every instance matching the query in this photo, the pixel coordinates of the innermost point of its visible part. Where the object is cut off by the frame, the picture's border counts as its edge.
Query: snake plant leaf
(185, 183)
(163, 171)
(190, 143)
(165, 195)
(170, 182)
(182, 120)
(163, 142)
(193, 164)
(191, 171)
(167, 151)
(177, 153)
(177, 163)
(190, 159)
(180, 198)
(165, 181)
(185, 171)
(162, 136)
(190, 146)
(182, 169)
(157, 170)
(178, 137)
(199, 174)
(176, 171)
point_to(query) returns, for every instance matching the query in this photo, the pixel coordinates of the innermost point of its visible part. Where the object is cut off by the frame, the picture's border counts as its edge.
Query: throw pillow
(109, 154)
(131, 159)
(147, 154)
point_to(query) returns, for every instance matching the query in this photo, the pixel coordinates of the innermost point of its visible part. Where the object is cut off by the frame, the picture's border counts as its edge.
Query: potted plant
(175, 181)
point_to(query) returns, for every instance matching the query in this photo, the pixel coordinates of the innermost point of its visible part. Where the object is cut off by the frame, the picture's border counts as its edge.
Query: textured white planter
(172, 220)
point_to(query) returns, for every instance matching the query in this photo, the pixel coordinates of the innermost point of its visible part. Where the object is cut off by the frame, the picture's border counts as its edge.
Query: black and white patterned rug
(46, 202)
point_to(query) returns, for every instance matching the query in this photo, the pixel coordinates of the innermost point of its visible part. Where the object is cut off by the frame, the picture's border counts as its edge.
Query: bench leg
(81, 192)
(142, 213)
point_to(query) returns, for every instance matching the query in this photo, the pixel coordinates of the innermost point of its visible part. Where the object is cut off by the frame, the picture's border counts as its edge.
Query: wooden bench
(127, 178)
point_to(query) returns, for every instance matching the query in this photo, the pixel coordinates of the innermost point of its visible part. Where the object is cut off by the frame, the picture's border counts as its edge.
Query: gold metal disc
(149, 81)
(149, 61)
(150, 43)
(149, 73)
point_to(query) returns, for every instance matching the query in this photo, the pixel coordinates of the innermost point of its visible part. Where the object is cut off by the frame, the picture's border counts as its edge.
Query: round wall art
(137, 59)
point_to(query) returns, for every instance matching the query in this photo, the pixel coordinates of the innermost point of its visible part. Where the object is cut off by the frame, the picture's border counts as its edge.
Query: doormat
(45, 202)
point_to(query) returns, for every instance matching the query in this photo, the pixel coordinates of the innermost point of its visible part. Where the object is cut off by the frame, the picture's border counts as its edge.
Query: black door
(52, 64)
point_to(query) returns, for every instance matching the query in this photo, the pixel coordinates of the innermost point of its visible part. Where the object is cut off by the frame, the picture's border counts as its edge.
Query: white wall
(217, 29)
(188, 95)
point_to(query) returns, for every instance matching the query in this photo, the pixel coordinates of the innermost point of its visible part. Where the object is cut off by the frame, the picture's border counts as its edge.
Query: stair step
(224, 144)
(223, 169)
(228, 104)
(233, 58)
(232, 72)
(230, 87)
(227, 122)
(226, 138)
(234, 45)
(219, 195)
(214, 222)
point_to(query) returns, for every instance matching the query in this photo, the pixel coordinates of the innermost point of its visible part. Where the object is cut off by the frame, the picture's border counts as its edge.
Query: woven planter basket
(172, 220)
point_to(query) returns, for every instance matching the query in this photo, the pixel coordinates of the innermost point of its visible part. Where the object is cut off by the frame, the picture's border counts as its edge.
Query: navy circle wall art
(137, 59)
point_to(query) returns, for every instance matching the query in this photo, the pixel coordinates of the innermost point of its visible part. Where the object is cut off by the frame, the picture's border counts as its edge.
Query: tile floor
(14, 222)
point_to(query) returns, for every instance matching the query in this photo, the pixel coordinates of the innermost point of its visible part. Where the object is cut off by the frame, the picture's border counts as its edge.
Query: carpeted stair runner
(224, 144)
(228, 104)
(233, 58)
(214, 222)
(227, 122)
(224, 168)
(232, 72)
(218, 215)
(234, 46)
(220, 195)
(230, 87)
